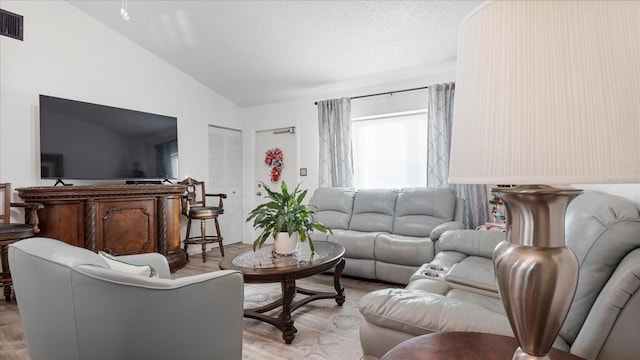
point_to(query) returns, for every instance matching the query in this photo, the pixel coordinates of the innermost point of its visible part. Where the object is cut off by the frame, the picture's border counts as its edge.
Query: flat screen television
(85, 141)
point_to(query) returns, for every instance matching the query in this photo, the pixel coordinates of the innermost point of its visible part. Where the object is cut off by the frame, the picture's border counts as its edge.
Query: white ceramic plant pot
(285, 244)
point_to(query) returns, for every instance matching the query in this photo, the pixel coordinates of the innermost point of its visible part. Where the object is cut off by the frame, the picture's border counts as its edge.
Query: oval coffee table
(264, 266)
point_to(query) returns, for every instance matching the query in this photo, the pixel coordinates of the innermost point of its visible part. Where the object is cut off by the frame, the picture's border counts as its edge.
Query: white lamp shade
(548, 92)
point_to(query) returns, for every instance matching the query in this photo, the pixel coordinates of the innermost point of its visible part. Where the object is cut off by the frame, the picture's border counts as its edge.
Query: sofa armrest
(470, 242)
(158, 261)
(440, 229)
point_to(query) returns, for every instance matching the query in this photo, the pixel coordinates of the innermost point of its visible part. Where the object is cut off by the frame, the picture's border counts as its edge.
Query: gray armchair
(73, 306)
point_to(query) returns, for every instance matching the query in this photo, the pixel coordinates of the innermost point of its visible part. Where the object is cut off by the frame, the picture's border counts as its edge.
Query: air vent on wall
(11, 24)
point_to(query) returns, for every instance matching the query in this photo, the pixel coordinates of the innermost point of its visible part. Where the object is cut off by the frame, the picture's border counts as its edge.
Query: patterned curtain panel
(336, 156)
(476, 200)
(439, 117)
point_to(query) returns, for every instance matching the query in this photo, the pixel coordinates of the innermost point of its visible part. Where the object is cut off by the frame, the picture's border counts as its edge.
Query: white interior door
(225, 176)
(285, 140)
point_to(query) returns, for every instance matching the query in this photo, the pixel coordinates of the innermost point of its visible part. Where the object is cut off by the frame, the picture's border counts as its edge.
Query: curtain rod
(384, 93)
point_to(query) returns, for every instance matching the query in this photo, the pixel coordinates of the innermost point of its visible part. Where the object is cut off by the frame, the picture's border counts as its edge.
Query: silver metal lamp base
(522, 355)
(536, 274)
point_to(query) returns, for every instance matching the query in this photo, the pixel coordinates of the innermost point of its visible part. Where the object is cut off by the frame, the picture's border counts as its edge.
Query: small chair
(194, 207)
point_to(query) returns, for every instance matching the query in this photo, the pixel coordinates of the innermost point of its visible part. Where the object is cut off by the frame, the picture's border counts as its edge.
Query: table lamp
(547, 92)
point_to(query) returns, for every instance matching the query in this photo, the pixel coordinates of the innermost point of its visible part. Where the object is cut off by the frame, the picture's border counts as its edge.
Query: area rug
(325, 330)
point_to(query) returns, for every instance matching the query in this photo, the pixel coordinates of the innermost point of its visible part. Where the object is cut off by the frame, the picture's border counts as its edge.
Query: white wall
(68, 54)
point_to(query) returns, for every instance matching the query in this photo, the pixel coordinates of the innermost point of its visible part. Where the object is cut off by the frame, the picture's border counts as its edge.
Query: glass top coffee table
(264, 266)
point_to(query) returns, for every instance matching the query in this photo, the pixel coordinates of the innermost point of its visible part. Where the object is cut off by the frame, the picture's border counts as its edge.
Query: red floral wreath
(274, 159)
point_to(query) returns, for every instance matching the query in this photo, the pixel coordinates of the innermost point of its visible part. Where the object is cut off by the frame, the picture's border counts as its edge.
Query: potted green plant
(284, 217)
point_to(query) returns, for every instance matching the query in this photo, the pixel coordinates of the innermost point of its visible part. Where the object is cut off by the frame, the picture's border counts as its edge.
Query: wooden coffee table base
(284, 320)
(265, 266)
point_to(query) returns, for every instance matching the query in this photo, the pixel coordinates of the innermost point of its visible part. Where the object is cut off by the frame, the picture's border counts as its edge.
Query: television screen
(79, 140)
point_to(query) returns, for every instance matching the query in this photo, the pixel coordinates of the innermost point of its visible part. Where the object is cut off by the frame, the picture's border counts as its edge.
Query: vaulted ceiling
(258, 52)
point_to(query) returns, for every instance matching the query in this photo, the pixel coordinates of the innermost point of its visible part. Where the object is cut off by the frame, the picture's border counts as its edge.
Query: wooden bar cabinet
(118, 219)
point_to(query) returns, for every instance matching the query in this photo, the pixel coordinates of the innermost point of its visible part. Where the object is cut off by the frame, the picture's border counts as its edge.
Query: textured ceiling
(258, 52)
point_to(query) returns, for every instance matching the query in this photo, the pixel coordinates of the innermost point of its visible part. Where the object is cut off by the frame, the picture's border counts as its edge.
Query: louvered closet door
(225, 176)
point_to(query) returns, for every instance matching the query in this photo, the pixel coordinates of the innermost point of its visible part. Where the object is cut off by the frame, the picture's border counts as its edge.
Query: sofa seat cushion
(403, 250)
(418, 312)
(357, 245)
(428, 306)
(461, 294)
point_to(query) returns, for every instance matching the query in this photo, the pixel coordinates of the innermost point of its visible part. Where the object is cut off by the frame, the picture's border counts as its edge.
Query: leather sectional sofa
(456, 290)
(387, 234)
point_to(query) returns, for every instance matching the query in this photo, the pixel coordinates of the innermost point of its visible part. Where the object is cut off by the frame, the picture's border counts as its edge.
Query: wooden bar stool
(194, 207)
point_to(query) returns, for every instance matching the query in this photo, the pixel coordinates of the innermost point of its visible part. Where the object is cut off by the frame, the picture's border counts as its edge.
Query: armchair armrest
(222, 196)
(158, 261)
(450, 225)
(31, 213)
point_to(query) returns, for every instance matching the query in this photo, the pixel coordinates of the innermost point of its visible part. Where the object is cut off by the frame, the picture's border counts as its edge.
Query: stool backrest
(5, 194)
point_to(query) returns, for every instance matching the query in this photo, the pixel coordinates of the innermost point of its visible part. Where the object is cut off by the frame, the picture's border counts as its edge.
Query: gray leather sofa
(73, 306)
(387, 234)
(456, 291)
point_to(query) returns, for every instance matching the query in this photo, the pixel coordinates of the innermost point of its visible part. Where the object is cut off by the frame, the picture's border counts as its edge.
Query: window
(390, 151)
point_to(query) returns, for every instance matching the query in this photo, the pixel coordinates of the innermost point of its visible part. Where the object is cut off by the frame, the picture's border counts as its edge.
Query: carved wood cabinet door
(127, 227)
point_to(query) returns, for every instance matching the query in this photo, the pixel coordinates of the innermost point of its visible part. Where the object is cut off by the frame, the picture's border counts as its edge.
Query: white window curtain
(439, 120)
(336, 158)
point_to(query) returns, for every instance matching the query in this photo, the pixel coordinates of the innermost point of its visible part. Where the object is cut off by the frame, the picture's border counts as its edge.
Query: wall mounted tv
(84, 141)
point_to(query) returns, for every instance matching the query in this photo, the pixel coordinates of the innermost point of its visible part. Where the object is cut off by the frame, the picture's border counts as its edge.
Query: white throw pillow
(119, 265)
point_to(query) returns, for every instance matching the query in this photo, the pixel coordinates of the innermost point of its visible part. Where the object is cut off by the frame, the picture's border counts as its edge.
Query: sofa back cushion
(333, 206)
(373, 210)
(419, 210)
(601, 229)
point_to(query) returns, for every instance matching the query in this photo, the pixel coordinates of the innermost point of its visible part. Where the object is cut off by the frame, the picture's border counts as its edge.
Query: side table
(10, 233)
(462, 345)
